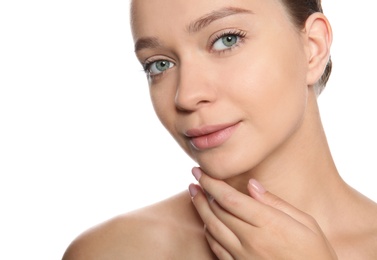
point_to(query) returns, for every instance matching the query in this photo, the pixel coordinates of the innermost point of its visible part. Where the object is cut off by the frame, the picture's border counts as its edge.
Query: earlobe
(319, 36)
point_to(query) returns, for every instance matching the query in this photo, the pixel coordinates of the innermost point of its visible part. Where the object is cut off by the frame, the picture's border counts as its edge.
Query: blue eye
(226, 42)
(157, 67)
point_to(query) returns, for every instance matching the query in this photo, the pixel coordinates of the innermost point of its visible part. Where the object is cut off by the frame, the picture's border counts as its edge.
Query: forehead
(149, 16)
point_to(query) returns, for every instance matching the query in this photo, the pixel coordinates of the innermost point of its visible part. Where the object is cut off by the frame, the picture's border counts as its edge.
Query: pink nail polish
(193, 190)
(257, 186)
(197, 173)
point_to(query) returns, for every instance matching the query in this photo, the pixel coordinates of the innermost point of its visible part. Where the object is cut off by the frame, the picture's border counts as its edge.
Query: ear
(319, 39)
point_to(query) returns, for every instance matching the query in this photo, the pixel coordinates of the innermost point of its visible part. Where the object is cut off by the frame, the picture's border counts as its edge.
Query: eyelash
(147, 66)
(241, 34)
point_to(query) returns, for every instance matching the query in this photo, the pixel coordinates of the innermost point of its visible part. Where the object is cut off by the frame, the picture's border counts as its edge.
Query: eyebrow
(147, 43)
(207, 19)
(195, 26)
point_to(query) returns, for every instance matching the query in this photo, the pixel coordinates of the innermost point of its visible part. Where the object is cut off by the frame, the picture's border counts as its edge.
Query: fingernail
(256, 186)
(197, 173)
(193, 190)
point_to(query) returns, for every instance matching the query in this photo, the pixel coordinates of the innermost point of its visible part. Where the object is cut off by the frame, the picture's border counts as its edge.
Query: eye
(225, 42)
(157, 67)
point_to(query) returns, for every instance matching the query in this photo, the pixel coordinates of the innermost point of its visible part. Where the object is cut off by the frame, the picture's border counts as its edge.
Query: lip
(211, 136)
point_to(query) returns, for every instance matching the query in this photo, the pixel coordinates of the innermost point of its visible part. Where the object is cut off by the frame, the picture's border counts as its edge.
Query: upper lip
(206, 130)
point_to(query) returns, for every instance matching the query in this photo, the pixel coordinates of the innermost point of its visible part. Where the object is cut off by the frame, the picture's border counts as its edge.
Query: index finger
(241, 205)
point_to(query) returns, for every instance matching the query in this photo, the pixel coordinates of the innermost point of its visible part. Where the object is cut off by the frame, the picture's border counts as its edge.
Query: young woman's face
(227, 78)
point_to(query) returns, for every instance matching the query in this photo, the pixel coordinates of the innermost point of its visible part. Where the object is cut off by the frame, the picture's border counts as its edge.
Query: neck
(302, 170)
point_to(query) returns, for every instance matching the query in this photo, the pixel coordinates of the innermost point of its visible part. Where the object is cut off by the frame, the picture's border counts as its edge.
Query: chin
(227, 168)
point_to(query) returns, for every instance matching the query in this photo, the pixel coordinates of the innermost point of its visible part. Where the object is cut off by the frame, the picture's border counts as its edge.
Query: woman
(236, 84)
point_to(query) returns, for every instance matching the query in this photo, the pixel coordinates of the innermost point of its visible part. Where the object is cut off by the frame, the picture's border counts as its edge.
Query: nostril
(191, 98)
(194, 89)
(190, 103)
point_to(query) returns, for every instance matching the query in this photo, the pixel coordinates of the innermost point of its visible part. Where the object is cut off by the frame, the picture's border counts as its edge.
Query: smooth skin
(242, 228)
(269, 191)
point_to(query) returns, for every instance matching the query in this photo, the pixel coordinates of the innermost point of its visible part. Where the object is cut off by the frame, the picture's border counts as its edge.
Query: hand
(262, 226)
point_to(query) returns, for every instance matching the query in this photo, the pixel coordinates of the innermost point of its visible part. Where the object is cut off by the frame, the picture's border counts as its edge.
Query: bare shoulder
(359, 236)
(169, 229)
(368, 238)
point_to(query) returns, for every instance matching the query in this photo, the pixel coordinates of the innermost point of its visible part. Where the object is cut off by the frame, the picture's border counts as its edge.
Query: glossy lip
(210, 136)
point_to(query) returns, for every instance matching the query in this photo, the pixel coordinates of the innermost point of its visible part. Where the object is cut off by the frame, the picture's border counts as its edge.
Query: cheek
(163, 105)
(272, 107)
(162, 97)
(271, 93)
(271, 80)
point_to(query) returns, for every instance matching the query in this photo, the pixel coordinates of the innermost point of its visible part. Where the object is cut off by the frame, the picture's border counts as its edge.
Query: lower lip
(214, 139)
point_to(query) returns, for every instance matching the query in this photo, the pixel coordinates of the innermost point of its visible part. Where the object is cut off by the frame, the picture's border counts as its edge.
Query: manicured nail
(197, 173)
(256, 186)
(193, 190)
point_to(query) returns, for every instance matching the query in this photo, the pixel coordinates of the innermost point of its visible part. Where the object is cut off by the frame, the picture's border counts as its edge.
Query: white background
(79, 141)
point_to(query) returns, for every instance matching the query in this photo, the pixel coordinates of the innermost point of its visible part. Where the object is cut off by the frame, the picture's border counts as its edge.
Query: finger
(217, 248)
(218, 230)
(240, 205)
(246, 233)
(258, 192)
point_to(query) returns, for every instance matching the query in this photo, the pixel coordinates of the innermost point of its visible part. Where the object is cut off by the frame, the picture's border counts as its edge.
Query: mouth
(210, 136)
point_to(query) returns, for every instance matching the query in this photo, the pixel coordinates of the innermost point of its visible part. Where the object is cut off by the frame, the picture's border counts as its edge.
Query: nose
(196, 87)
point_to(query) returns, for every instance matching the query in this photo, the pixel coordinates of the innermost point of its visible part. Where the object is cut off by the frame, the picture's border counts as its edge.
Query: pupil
(229, 40)
(162, 65)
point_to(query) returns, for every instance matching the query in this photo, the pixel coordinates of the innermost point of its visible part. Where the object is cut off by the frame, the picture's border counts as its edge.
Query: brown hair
(300, 10)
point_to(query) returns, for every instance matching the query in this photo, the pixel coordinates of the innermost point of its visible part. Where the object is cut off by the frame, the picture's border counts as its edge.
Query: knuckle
(276, 202)
(311, 219)
(230, 199)
(213, 226)
(312, 222)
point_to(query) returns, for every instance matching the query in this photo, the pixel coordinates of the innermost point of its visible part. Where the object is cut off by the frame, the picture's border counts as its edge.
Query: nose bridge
(194, 87)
